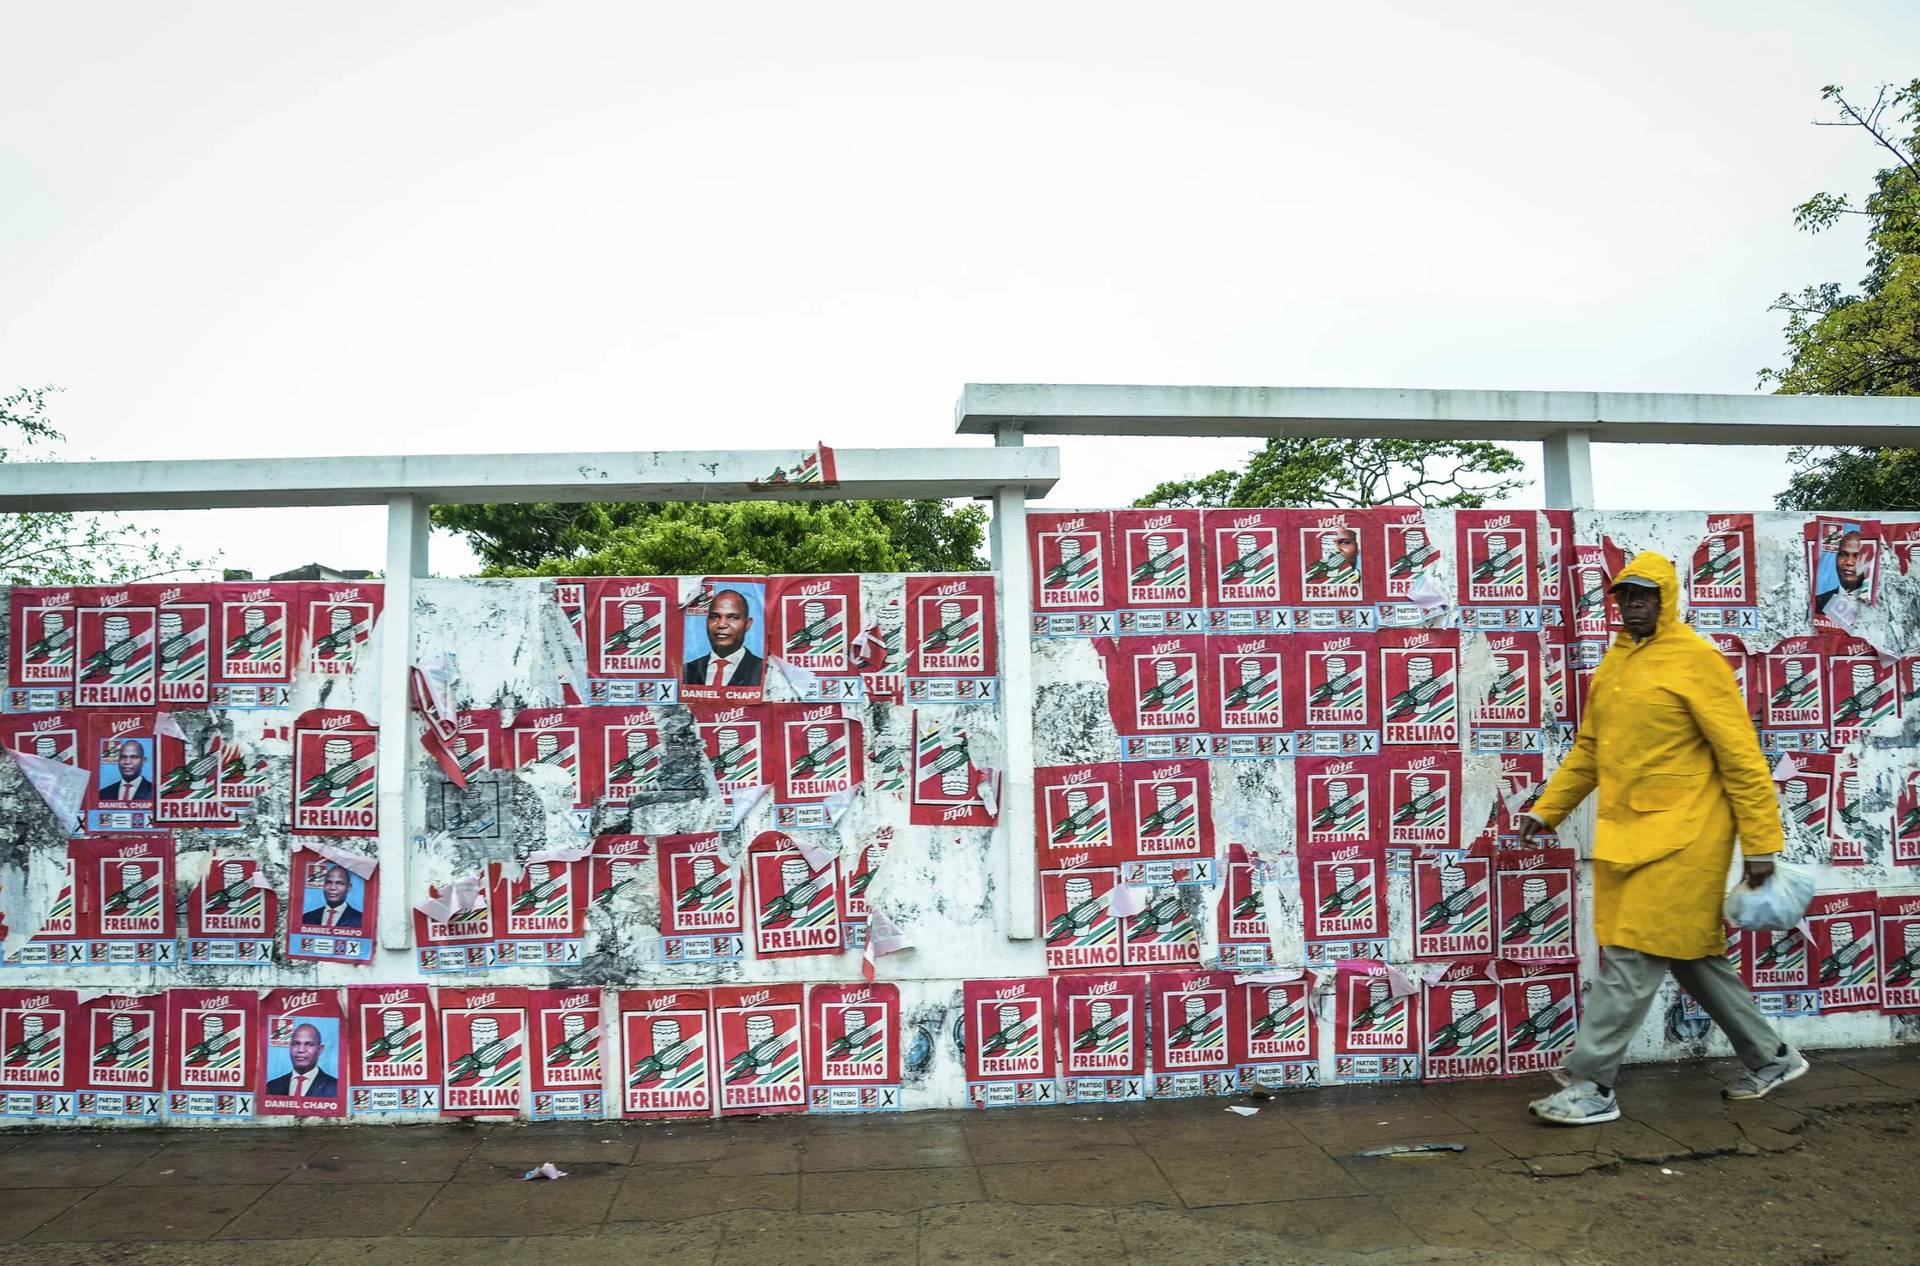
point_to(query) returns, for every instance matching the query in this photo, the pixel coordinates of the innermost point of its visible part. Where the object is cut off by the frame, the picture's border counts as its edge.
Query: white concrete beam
(407, 528)
(1361, 412)
(459, 479)
(1009, 529)
(1569, 470)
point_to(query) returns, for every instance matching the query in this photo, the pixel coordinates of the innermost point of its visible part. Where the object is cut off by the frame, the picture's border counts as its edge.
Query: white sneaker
(1582, 1103)
(1760, 1082)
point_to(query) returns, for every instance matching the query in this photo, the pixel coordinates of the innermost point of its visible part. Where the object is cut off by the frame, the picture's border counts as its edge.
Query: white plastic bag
(1779, 903)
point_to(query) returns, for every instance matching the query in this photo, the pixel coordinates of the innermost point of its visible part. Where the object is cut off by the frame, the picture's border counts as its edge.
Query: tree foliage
(683, 538)
(1313, 471)
(1864, 342)
(70, 549)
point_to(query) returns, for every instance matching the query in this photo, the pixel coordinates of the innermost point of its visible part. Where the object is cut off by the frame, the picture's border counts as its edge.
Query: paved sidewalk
(1174, 1182)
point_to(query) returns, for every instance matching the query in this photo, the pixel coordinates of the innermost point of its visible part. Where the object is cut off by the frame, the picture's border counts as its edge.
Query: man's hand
(1758, 868)
(1530, 826)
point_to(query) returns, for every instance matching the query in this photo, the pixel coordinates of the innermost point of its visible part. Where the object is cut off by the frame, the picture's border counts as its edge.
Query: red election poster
(183, 639)
(1163, 934)
(1902, 539)
(114, 647)
(1076, 908)
(557, 738)
(633, 635)
(335, 774)
(630, 752)
(1452, 905)
(700, 915)
(1252, 693)
(565, 1063)
(761, 1031)
(1081, 812)
(737, 739)
(1376, 1033)
(1806, 796)
(254, 637)
(1423, 794)
(621, 866)
(1332, 570)
(811, 622)
(336, 619)
(853, 900)
(1722, 588)
(1245, 938)
(1746, 674)
(1410, 550)
(1860, 822)
(333, 904)
(1170, 807)
(123, 1057)
(59, 736)
(1102, 1036)
(820, 758)
(1420, 681)
(1499, 567)
(1559, 693)
(1907, 674)
(570, 595)
(120, 791)
(1589, 572)
(393, 1044)
(1522, 778)
(853, 1047)
(1779, 970)
(1844, 947)
(127, 898)
(1556, 550)
(1157, 571)
(1906, 820)
(1462, 1021)
(1338, 799)
(40, 1052)
(212, 1064)
(231, 918)
(946, 779)
(1073, 581)
(1533, 896)
(1900, 952)
(1862, 687)
(189, 791)
(796, 904)
(1276, 1042)
(1843, 568)
(1507, 718)
(40, 646)
(1154, 692)
(1335, 697)
(1343, 890)
(1243, 549)
(304, 1067)
(1539, 1013)
(1009, 1028)
(667, 1053)
(58, 941)
(483, 1045)
(952, 654)
(466, 940)
(544, 914)
(1793, 677)
(1191, 1054)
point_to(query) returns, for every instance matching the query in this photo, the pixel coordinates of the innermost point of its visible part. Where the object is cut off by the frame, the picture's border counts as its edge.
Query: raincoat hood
(1647, 565)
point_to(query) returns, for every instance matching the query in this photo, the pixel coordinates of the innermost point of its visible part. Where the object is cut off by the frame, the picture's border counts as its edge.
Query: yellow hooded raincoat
(1667, 740)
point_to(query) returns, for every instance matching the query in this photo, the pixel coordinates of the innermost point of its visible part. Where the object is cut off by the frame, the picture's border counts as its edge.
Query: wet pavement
(1170, 1182)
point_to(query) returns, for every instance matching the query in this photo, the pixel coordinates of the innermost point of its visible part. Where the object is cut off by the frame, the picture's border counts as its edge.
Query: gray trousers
(1624, 988)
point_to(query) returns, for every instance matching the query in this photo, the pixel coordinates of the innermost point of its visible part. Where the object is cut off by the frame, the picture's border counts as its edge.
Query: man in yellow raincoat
(1667, 742)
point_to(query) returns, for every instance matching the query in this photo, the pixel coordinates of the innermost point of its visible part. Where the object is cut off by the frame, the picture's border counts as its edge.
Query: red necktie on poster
(720, 672)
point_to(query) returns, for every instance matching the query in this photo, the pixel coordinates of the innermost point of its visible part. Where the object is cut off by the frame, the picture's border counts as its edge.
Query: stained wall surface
(1278, 761)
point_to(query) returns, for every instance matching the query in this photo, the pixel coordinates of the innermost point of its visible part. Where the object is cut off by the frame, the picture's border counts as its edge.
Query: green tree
(70, 549)
(1311, 471)
(684, 538)
(1866, 342)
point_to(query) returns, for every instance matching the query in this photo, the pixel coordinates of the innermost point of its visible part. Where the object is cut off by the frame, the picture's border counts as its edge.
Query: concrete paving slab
(152, 1213)
(225, 1159)
(1201, 1180)
(570, 1206)
(83, 1164)
(26, 1209)
(1341, 1222)
(888, 1190)
(1102, 1176)
(657, 1197)
(1032, 1235)
(316, 1212)
(820, 1239)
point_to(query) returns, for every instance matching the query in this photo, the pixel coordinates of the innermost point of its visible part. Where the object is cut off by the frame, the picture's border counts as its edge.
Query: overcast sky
(235, 229)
